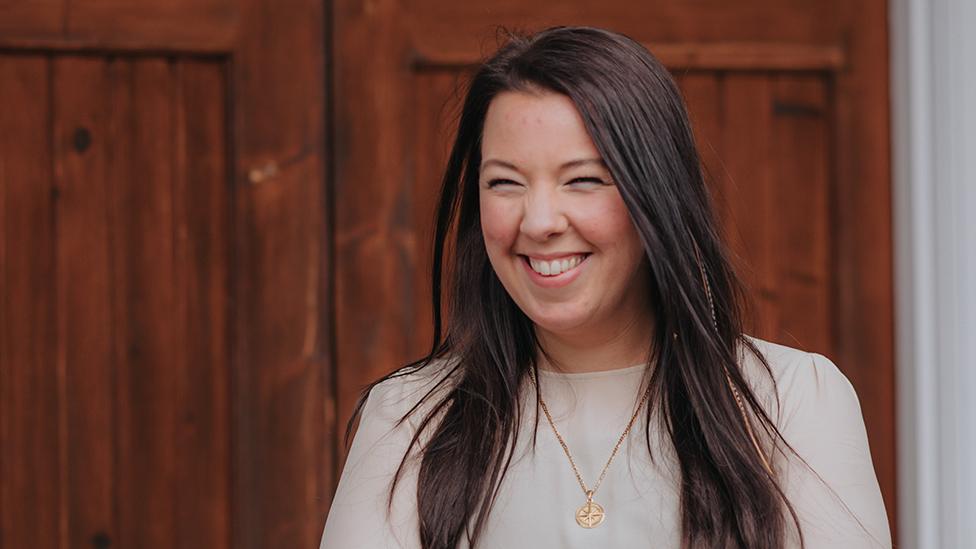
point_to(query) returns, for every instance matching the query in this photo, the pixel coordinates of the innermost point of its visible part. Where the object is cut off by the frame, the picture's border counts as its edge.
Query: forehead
(535, 128)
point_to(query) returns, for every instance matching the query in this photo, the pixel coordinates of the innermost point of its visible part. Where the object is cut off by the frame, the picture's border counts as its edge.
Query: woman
(593, 387)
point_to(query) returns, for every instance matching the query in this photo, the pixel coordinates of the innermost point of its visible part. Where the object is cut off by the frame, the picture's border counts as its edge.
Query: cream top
(819, 416)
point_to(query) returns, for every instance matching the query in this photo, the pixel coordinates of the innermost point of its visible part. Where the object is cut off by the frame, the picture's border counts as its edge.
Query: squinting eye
(594, 180)
(496, 182)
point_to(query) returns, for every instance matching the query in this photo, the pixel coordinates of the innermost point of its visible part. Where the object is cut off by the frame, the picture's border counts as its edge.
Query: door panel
(763, 137)
(30, 415)
(166, 324)
(127, 179)
(83, 299)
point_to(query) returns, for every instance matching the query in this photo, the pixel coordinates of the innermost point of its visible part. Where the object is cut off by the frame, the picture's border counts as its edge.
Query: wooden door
(789, 102)
(164, 362)
(116, 263)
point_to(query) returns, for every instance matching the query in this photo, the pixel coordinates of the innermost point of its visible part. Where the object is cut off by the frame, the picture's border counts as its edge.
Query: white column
(933, 87)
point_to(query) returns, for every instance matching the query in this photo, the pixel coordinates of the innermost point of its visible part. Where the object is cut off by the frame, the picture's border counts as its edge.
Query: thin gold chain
(579, 478)
(734, 390)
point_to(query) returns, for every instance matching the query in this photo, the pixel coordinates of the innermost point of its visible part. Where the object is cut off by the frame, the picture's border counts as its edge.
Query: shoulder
(800, 381)
(829, 475)
(410, 390)
(375, 503)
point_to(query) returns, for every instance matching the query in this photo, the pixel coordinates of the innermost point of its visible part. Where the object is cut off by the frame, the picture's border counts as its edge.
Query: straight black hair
(637, 120)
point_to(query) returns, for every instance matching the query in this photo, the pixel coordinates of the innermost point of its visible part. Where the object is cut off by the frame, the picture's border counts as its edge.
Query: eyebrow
(564, 166)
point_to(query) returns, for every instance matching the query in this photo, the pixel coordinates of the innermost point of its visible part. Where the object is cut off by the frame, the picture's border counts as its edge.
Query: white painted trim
(933, 86)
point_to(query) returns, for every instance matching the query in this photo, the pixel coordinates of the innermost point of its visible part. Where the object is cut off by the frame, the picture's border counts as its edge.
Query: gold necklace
(591, 513)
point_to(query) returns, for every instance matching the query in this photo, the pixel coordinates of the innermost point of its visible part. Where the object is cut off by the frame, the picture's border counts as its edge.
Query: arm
(842, 507)
(359, 516)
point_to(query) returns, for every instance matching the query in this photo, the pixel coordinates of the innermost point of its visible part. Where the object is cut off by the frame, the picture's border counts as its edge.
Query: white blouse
(818, 414)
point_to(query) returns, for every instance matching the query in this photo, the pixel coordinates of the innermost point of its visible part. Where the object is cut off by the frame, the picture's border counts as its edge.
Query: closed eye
(496, 182)
(593, 180)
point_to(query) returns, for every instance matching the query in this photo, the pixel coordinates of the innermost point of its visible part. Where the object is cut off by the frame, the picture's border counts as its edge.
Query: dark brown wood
(144, 25)
(374, 281)
(770, 193)
(149, 298)
(801, 239)
(708, 56)
(147, 24)
(31, 18)
(122, 263)
(30, 445)
(203, 238)
(283, 435)
(864, 308)
(746, 189)
(84, 301)
(192, 308)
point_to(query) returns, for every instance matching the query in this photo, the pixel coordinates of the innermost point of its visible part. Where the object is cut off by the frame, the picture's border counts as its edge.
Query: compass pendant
(590, 515)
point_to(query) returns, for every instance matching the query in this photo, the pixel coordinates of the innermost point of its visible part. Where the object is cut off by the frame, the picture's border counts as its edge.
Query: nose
(542, 217)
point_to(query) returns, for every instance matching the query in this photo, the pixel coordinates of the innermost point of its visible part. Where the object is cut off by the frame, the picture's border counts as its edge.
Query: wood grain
(283, 435)
(686, 56)
(801, 241)
(117, 424)
(31, 450)
(148, 298)
(188, 26)
(204, 250)
(84, 301)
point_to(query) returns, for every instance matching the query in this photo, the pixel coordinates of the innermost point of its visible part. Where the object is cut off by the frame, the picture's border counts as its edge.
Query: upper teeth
(556, 266)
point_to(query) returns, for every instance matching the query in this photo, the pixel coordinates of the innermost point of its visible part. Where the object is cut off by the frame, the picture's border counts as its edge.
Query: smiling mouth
(555, 267)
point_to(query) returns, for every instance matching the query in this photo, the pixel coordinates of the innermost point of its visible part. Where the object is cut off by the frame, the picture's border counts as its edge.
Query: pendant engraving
(590, 515)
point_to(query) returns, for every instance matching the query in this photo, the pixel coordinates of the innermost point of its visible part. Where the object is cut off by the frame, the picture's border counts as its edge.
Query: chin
(558, 321)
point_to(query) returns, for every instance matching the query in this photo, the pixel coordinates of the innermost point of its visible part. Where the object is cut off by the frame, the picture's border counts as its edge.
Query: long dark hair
(634, 114)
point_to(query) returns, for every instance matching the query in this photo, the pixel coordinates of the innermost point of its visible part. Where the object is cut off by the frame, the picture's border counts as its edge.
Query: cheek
(606, 224)
(499, 224)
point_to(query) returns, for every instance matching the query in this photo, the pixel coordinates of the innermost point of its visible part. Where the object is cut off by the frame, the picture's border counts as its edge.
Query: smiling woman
(589, 292)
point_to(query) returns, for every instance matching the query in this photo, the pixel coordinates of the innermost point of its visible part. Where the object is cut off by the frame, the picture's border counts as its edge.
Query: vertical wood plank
(435, 118)
(119, 171)
(376, 90)
(284, 432)
(202, 202)
(747, 142)
(801, 239)
(30, 451)
(146, 295)
(865, 316)
(704, 94)
(84, 299)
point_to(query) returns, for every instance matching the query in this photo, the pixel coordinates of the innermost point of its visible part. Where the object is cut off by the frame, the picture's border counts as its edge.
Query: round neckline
(593, 375)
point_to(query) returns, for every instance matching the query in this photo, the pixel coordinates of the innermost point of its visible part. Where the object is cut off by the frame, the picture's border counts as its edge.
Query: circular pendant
(590, 515)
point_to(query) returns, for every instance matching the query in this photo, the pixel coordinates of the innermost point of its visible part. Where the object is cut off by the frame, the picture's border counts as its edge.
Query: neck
(612, 348)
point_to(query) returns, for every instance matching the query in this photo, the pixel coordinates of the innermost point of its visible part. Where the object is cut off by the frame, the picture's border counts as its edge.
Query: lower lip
(558, 281)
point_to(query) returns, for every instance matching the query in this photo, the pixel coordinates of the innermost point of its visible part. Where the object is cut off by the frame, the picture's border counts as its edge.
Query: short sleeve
(835, 493)
(359, 515)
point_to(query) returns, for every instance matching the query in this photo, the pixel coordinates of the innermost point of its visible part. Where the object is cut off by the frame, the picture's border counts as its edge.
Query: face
(557, 232)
